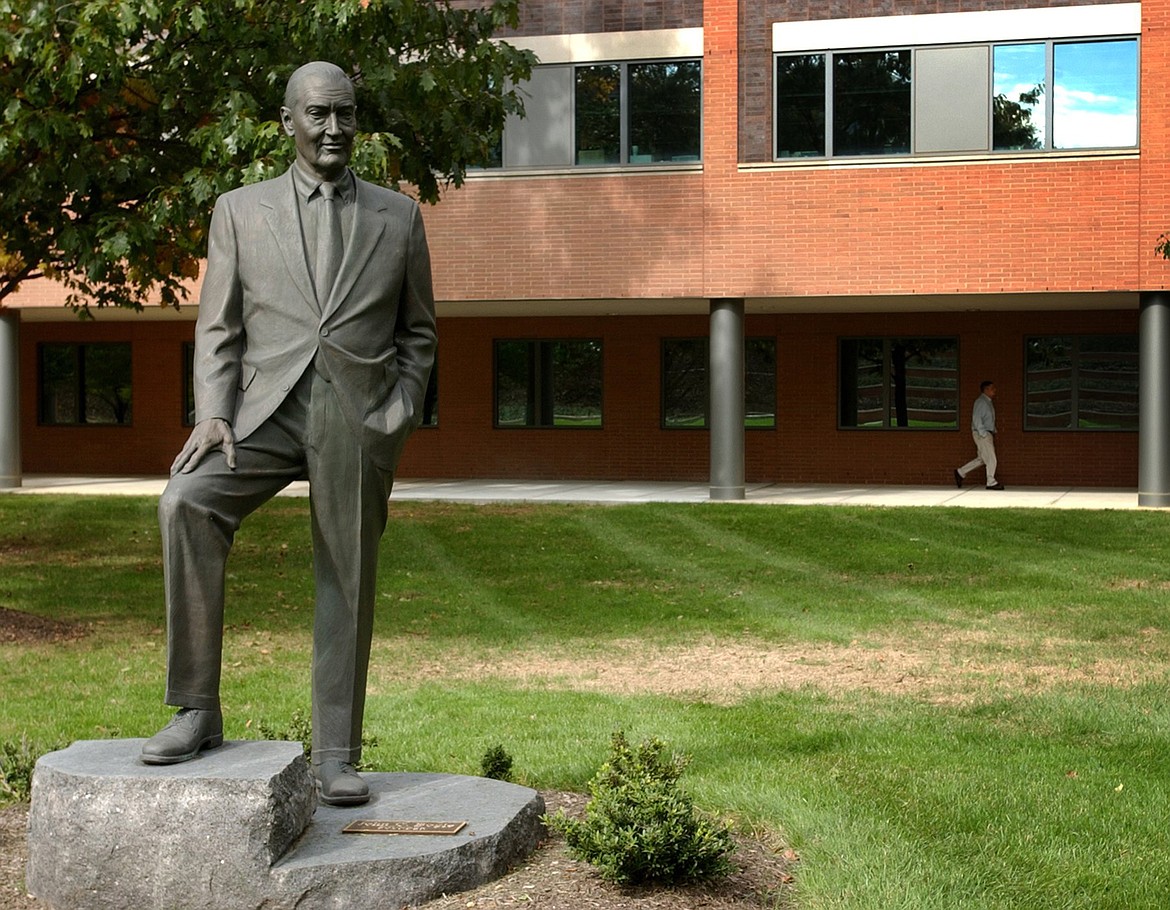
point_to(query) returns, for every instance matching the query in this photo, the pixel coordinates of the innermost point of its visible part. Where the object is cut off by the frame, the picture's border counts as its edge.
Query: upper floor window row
(996, 97)
(607, 114)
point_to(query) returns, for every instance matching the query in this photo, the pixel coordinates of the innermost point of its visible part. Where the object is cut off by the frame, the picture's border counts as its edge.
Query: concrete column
(1154, 399)
(726, 371)
(9, 398)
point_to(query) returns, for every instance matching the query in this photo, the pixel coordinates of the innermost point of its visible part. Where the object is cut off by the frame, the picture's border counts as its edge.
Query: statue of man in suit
(313, 347)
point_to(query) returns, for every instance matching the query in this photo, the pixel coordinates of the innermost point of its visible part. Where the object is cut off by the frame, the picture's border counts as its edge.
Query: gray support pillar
(9, 398)
(726, 371)
(1154, 400)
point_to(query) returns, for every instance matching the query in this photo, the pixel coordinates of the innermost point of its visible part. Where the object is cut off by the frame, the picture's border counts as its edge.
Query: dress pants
(199, 513)
(985, 455)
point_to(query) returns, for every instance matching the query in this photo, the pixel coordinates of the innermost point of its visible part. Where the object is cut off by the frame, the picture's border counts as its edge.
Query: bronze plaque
(386, 826)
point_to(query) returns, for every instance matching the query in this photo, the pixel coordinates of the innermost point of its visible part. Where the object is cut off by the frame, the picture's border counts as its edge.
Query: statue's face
(322, 120)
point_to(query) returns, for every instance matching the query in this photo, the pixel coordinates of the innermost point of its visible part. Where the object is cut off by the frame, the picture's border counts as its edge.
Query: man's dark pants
(199, 514)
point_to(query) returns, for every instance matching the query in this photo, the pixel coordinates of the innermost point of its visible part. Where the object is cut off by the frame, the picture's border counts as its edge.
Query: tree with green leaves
(122, 120)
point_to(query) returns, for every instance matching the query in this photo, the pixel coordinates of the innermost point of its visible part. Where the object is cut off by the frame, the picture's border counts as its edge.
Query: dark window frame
(889, 404)
(79, 380)
(1032, 422)
(626, 127)
(540, 392)
(188, 385)
(704, 359)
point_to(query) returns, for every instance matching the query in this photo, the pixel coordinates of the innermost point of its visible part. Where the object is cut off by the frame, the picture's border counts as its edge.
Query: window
(188, 383)
(430, 414)
(1089, 95)
(637, 113)
(1081, 382)
(1044, 96)
(84, 383)
(686, 388)
(898, 383)
(548, 383)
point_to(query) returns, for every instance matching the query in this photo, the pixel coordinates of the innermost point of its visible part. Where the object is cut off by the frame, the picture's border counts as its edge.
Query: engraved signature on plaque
(387, 826)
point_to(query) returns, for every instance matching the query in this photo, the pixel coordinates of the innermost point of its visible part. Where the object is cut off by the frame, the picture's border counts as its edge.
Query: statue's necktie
(329, 242)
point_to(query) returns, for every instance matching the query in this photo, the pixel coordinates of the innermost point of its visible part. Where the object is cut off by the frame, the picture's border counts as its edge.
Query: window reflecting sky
(1094, 90)
(1094, 94)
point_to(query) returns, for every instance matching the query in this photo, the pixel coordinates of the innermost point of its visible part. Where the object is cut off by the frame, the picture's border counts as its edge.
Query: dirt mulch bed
(25, 628)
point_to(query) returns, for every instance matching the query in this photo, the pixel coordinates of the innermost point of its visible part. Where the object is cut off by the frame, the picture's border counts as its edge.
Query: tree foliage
(122, 120)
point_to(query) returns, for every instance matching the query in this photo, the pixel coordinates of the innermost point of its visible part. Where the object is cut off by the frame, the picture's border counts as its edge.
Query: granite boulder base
(239, 827)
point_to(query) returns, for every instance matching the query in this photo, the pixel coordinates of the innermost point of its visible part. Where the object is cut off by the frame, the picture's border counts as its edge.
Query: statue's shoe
(338, 784)
(186, 734)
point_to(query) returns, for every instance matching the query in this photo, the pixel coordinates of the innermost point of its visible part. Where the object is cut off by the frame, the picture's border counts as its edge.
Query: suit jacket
(260, 323)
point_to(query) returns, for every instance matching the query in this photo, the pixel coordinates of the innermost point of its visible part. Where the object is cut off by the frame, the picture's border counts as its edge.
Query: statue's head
(320, 114)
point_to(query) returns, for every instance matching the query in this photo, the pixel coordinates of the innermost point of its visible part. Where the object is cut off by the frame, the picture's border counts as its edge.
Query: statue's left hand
(207, 436)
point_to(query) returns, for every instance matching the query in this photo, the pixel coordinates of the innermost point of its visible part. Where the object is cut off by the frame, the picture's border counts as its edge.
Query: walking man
(983, 432)
(313, 346)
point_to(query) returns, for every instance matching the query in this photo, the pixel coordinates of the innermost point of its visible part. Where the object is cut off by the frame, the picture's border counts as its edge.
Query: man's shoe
(188, 732)
(998, 486)
(958, 480)
(339, 784)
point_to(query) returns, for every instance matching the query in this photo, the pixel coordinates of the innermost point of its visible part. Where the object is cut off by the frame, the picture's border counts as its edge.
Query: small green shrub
(639, 827)
(496, 764)
(17, 760)
(300, 729)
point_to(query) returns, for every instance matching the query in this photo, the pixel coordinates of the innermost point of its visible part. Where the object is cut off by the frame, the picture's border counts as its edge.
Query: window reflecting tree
(598, 114)
(871, 103)
(665, 111)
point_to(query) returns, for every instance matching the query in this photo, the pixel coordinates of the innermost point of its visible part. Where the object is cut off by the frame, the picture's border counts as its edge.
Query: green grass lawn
(935, 708)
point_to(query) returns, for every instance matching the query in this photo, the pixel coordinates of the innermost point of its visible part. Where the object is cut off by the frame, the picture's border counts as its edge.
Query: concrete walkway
(480, 491)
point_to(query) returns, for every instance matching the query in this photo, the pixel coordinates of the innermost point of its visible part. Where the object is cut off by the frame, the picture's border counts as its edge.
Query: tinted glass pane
(684, 383)
(923, 382)
(1049, 383)
(430, 415)
(862, 368)
(1107, 382)
(188, 383)
(1094, 94)
(576, 378)
(59, 383)
(800, 106)
(598, 114)
(665, 105)
(1018, 96)
(107, 383)
(760, 382)
(514, 404)
(871, 103)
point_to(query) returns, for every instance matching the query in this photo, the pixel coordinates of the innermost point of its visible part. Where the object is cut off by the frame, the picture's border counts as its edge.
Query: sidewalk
(481, 491)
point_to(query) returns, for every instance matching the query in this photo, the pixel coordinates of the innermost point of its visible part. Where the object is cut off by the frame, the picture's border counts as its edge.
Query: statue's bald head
(317, 70)
(320, 114)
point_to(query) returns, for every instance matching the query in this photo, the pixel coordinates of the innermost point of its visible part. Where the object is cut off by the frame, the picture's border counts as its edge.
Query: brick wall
(806, 446)
(156, 433)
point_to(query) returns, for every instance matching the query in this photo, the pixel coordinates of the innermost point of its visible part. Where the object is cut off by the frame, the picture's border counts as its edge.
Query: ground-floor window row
(1071, 382)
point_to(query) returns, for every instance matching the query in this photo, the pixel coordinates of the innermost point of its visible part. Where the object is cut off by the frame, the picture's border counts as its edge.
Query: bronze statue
(313, 346)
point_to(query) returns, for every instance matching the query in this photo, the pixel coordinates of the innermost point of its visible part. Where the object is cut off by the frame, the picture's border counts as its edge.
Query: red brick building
(744, 241)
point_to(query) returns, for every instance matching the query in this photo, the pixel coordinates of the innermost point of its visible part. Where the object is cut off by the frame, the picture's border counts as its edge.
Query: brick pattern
(805, 447)
(571, 17)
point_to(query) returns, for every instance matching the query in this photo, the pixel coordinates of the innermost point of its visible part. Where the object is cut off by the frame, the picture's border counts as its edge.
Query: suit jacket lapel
(368, 227)
(284, 221)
